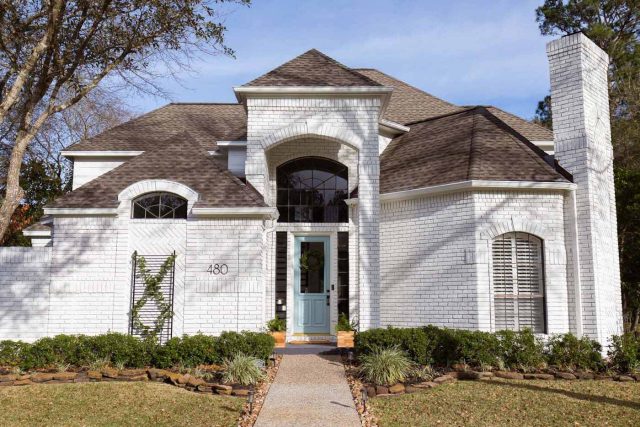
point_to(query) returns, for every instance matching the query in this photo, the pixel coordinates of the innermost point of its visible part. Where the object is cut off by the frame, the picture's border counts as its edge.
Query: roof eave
(384, 92)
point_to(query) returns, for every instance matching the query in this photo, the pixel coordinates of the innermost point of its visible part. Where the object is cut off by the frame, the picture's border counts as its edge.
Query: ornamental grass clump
(385, 366)
(242, 369)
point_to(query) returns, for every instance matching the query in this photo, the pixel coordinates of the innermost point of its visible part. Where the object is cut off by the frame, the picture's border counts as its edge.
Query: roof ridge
(202, 103)
(453, 113)
(518, 117)
(340, 64)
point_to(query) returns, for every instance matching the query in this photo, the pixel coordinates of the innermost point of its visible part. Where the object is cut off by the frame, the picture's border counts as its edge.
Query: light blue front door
(311, 281)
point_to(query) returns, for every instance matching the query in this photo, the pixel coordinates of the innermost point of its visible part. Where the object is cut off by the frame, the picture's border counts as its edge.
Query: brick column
(369, 235)
(582, 133)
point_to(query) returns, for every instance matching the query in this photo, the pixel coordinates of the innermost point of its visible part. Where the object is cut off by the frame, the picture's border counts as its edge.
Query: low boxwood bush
(187, 351)
(624, 353)
(256, 344)
(521, 350)
(123, 350)
(475, 348)
(12, 352)
(570, 352)
(415, 342)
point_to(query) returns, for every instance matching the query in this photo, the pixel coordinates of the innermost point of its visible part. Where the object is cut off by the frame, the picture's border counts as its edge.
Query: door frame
(297, 240)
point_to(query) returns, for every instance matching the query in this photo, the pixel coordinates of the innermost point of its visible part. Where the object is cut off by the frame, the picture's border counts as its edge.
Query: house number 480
(218, 269)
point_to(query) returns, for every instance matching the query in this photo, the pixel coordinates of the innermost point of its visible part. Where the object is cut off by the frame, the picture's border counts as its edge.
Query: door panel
(311, 282)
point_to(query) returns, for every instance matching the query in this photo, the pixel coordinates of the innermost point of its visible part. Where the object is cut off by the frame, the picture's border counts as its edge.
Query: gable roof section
(469, 145)
(312, 68)
(408, 103)
(206, 123)
(179, 158)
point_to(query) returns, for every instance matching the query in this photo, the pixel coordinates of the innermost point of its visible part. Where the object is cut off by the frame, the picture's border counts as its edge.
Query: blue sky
(466, 52)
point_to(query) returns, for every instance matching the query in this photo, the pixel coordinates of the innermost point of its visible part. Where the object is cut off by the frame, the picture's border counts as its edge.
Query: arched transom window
(518, 282)
(312, 189)
(160, 205)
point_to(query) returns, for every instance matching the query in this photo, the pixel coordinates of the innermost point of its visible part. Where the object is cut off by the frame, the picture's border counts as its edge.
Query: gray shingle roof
(408, 103)
(312, 68)
(179, 158)
(206, 123)
(469, 145)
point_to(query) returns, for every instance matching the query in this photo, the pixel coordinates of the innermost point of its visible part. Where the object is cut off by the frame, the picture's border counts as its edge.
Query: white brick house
(331, 190)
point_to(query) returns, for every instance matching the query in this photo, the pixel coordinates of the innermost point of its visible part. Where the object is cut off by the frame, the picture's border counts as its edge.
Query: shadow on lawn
(568, 393)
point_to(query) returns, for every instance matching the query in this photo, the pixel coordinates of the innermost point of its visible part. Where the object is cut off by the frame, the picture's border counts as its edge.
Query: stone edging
(396, 389)
(186, 381)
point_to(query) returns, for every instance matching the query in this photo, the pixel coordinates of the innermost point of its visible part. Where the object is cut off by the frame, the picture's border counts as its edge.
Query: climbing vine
(153, 292)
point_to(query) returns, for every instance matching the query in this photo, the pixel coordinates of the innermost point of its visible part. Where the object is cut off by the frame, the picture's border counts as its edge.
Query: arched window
(518, 282)
(312, 189)
(160, 205)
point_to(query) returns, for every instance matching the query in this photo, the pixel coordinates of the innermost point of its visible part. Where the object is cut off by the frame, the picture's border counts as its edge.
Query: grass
(101, 404)
(516, 403)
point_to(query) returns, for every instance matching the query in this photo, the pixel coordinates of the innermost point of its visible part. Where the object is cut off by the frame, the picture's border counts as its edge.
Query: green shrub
(413, 341)
(570, 352)
(256, 344)
(624, 353)
(122, 350)
(12, 352)
(475, 348)
(242, 369)
(385, 366)
(276, 325)
(521, 350)
(58, 350)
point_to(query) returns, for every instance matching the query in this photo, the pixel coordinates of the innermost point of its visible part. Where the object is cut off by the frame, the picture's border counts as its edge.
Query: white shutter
(518, 282)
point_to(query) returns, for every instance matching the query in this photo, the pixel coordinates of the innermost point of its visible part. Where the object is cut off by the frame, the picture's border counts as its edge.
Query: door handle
(328, 303)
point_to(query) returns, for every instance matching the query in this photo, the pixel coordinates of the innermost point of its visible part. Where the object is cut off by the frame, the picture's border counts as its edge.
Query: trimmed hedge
(131, 352)
(504, 349)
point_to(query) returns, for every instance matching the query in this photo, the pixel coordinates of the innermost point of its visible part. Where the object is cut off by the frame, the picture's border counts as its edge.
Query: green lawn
(516, 403)
(113, 403)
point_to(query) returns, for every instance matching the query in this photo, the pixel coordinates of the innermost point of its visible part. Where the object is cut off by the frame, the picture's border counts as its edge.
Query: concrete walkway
(310, 389)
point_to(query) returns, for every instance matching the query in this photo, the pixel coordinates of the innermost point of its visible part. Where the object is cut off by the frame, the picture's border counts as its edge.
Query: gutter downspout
(573, 218)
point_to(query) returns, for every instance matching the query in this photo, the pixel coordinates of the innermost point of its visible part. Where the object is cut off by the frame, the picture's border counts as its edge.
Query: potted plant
(277, 328)
(345, 331)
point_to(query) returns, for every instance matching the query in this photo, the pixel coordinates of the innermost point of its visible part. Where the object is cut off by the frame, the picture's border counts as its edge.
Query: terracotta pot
(281, 339)
(345, 339)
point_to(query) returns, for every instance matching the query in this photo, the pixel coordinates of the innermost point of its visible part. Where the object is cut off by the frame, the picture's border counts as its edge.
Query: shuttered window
(518, 282)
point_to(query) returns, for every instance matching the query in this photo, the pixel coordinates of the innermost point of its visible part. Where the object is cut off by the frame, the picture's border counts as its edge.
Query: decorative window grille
(159, 205)
(518, 282)
(312, 189)
(150, 311)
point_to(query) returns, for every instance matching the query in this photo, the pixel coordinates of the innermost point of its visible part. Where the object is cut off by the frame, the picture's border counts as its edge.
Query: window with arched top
(312, 189)
(159, 205)
(518, 282)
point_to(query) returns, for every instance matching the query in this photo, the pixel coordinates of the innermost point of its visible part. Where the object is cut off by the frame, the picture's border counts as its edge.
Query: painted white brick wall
(425, 279)
(582, 132)
(537, 213)
(24, 292)
(352, 121)
(435, 262)
(229, 302)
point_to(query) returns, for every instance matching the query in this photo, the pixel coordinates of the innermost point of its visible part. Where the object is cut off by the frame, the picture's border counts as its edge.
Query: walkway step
(309, 390)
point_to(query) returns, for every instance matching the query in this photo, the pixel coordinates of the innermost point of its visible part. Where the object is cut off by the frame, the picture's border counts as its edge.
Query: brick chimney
(582, 136)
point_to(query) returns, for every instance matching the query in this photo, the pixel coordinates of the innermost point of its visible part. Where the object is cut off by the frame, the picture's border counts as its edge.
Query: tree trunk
(14, 193)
